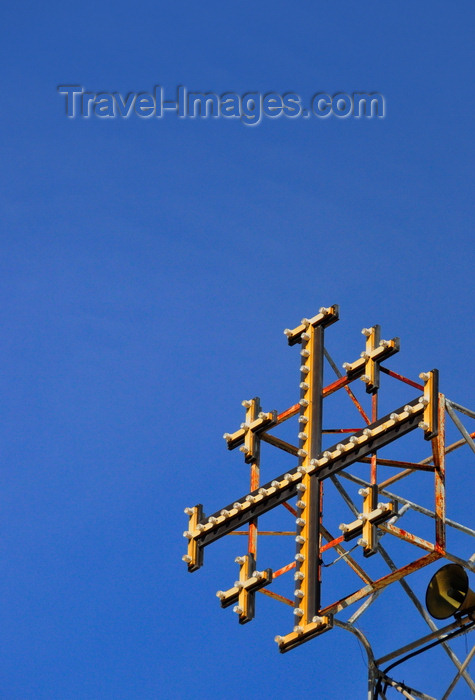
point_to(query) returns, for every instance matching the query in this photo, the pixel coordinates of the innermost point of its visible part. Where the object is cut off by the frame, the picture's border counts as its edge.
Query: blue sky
(148, 268)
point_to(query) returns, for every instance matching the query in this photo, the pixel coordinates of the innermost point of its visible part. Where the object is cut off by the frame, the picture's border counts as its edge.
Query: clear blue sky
(148, 268)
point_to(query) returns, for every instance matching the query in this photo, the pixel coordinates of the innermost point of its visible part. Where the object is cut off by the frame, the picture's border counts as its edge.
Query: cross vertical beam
(307, 594)
(252, 444)
(307, 576)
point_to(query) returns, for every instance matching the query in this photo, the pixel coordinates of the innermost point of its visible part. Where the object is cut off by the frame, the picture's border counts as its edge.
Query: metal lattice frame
(375, 519)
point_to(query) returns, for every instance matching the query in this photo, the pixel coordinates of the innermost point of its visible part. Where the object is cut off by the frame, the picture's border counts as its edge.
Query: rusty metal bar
(345, 495)
(407, 537)
(425, 615)
(395, 497)
(460, 425)
(401, 378)
(252, 539)
(276, 596)
(367, 646)
(425, 511)
(284, 569)
(331, 544)
(340, 430)
(289, 508)
(343, 603)
(374, 418)
(428, 460)
(438, 452)
(281, 444)
(437, 634)
(462, 409)
(343, 381)
(459, 674)
(404, 689)
(361, 410)
(400, 464)
(288, 413)
(404, 583)
(346, 556)
(467, 564)
(263, 532)
(347, 388)
(339, 383)
(363, 607)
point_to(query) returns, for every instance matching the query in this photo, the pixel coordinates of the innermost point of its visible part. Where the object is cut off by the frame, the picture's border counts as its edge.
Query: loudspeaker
(448, 592)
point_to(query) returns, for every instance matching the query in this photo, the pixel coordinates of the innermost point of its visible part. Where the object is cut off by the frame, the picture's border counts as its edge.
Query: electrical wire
(415, 653)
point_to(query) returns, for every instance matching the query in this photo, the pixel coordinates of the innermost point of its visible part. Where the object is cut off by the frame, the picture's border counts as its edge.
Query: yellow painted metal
(373, 337)
(251, 444)
(194, 554)
(431, 397)
(369, 530)
(378, 354)
(306, 576)
(319, 625)
(245, 607)
(325, 315)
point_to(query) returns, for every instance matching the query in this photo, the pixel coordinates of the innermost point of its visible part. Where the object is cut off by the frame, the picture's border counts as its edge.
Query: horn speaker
(448, 592)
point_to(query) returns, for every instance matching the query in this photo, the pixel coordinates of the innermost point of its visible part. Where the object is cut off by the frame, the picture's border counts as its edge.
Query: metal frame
(372, 520)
